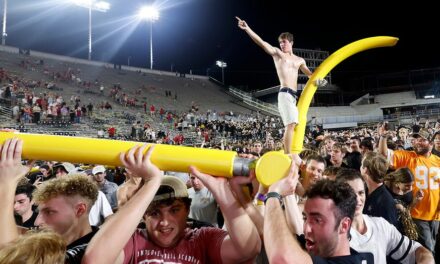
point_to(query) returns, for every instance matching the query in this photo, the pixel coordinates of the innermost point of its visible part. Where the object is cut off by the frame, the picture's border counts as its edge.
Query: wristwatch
(275, 195)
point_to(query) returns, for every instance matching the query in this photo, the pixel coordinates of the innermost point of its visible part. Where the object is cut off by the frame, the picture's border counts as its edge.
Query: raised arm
(382, 148)
(243, 241)
(281, 245)
(245, 198)
(292, 211)
(269, 49)
(107, 245)
(293, 215)
(11, 170)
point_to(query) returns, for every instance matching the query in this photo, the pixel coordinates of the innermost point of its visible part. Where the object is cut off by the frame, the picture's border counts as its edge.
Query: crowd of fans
(391, 177)
(39, 103)
(364, 195)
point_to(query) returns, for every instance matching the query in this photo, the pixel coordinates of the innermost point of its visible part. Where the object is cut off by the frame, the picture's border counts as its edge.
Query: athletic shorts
(287, 108)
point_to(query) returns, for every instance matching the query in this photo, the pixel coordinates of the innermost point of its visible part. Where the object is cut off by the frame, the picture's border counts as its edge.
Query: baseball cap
(171, 187)
(98, 169)
(422, 133)
(69, 167)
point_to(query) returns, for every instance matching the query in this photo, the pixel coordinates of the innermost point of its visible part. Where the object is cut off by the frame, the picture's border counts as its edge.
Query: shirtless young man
(287, 65)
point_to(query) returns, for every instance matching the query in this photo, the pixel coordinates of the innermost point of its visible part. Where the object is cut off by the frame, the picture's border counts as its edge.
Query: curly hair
(37, 247)
(72, 185)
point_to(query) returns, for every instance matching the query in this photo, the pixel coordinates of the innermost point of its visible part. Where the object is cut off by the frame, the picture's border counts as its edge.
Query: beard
(422, 150)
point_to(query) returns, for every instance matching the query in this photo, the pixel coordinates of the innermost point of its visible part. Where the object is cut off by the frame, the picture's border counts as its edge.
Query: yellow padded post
(104, 151)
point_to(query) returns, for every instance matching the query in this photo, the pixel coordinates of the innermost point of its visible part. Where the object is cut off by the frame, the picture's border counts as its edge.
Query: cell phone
(389, 126)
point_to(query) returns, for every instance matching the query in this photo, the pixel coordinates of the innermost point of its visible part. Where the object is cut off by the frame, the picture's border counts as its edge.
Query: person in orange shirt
(426, 170)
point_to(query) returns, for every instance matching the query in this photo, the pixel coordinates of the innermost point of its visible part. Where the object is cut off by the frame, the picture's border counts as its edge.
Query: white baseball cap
(98, 169)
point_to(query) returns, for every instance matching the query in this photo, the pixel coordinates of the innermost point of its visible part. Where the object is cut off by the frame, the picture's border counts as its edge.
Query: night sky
(193, 34)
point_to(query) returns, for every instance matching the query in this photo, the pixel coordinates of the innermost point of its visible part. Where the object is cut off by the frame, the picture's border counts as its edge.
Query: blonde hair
(69, 186)
(35, 247)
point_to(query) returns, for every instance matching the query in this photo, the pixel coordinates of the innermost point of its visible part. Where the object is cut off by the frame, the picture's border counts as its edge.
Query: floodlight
(100, 6)
(222, 65)
(5, 13)
(149, 13)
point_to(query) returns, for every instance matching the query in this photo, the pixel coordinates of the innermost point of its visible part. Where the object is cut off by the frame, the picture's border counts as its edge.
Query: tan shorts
(287, 108)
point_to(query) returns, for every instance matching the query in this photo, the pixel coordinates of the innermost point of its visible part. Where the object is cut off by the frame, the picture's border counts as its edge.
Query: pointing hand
(241, 23)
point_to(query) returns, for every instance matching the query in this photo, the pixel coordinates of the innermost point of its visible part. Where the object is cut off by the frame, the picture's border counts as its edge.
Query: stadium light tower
(100, 6)
(151, 14)
(5, 8)
(222, 65)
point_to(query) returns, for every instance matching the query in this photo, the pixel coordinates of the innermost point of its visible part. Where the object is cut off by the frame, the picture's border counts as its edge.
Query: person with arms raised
(163, 203)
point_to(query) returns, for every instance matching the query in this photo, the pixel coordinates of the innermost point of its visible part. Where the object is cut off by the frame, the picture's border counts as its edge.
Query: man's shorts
(287, 106)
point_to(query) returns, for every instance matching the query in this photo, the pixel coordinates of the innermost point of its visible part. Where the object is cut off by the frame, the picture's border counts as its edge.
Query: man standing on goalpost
(287, 65)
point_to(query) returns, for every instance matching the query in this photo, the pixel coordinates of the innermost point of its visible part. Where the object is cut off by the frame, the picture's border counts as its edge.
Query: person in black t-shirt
(64, 204)
(399, 184)
(328, 214)
(354, 158)
(23, 205)
(337, 156)
(366, 146)
(379, 201)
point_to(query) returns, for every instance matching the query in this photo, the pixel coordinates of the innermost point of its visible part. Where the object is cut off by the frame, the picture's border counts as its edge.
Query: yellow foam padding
(273, 166)
(326, 66)
(106, 152)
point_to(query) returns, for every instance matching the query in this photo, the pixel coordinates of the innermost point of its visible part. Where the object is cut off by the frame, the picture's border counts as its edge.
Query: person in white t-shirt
(100, 210)
(377, 235)
(203, 205)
